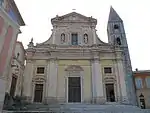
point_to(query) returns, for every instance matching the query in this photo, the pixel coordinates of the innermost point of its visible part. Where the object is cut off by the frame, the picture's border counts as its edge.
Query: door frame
(81, 87)
(33, 90)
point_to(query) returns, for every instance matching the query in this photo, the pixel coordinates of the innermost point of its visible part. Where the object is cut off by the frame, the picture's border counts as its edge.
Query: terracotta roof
(142, 71)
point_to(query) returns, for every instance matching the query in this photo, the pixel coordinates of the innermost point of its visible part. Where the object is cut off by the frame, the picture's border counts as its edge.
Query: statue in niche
(63, 37)
(85, 38)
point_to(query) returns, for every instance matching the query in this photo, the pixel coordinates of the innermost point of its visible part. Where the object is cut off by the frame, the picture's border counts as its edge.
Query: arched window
(118, 41)
(138, 83)
(62, 37)
(147, 82)
(85, 38)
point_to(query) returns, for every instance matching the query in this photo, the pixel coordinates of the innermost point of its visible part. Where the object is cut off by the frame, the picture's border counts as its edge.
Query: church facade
(75, 66)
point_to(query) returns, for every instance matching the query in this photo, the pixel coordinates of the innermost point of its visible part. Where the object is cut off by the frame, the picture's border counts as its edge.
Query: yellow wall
(146, 93)
(106, 62)
(74, 62)
(85, 64)
(41, 62)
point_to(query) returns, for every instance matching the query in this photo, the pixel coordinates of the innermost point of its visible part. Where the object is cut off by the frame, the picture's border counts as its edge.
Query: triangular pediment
(73, 17)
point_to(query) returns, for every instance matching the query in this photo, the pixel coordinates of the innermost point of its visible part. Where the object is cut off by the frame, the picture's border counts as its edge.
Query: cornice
(6, 16)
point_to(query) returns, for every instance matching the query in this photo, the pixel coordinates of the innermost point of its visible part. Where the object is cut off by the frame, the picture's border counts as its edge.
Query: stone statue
(85, 38)
(32, 40)
(62, 37)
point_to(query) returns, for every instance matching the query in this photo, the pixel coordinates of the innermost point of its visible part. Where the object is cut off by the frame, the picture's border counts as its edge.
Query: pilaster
(47, 78)
(94, 35)
(97, 82)
(52, 82)
(121, 77)
(54, 34)
(28, 75)
(118, 89)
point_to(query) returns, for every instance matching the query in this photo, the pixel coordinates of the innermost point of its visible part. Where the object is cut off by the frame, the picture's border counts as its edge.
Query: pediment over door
(74, 68)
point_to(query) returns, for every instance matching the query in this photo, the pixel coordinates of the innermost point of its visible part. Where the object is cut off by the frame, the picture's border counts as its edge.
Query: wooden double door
(74, 89)
(38, 93)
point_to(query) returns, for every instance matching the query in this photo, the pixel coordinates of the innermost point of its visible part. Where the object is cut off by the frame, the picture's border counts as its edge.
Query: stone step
(83, 108)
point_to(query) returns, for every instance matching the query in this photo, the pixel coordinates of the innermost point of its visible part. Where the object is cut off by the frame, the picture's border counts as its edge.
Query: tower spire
(113, 15)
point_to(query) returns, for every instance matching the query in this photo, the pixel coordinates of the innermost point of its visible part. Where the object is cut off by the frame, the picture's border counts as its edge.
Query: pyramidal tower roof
(113, 16)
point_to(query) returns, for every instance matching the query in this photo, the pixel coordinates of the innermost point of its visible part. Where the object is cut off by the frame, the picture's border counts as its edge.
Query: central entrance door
(38, 94)
(74, 89)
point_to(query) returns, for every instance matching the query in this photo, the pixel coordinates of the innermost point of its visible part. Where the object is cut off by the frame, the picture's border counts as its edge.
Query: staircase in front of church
(81, 108)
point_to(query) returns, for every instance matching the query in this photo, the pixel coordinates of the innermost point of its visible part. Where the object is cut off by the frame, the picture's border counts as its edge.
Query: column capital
(95, 60)
(53, 60)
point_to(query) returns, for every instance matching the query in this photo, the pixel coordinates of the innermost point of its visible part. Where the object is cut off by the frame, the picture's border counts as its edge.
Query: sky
(135, 14)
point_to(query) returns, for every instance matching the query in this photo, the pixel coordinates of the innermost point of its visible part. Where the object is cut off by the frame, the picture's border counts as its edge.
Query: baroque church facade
(75, 66)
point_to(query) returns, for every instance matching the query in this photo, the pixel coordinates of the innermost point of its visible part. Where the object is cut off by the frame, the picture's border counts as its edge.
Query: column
(98, 93)
(123, 88)
(27, 83)
(52, 82)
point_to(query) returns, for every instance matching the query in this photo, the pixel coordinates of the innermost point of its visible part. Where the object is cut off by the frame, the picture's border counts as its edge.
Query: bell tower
(117, 37)
(115, 29)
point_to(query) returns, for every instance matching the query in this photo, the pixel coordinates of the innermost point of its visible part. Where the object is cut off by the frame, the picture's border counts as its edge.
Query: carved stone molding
(38, 79)
(74, 68)
(109, 80)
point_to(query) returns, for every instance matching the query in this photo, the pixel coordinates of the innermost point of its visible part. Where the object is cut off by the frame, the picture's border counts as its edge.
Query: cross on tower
(73, 9)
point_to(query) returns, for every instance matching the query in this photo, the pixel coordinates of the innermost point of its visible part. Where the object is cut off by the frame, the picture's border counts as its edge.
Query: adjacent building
(10, 22)
(142, 85)
(75, 66)
(15, 79)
